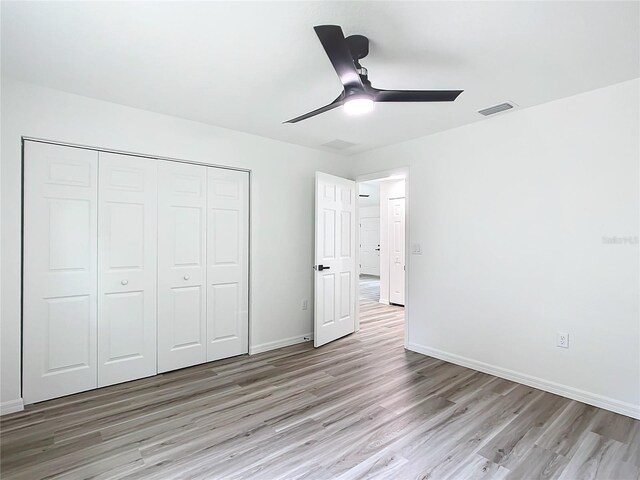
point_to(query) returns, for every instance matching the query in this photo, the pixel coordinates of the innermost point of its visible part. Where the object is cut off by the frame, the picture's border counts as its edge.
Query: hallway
(373, 312)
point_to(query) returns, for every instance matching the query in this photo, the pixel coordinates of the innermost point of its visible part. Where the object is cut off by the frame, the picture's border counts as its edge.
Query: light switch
(416, 249)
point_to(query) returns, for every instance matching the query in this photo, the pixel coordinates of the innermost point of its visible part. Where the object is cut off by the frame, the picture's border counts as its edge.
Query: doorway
(344, 295)
(381, 249)
(369, 246)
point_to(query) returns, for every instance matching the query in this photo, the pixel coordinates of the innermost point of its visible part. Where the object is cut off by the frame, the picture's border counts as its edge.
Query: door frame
(379, 175)
(25, 138)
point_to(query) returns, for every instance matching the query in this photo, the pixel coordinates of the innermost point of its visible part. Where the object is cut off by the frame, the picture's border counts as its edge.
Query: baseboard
(11, 406)
(623, 408)
(285, 342)
(383, 301)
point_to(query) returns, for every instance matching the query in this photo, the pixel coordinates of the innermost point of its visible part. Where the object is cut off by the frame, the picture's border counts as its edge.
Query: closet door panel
(182, 265)
(127, 257)
(60, 277)
(227, 260)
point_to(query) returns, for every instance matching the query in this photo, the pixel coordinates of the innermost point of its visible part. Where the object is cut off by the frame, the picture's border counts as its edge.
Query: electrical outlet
(305, 304)
(562, 340)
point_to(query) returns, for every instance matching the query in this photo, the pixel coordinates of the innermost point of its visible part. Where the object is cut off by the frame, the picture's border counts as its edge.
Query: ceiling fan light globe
(358, 106)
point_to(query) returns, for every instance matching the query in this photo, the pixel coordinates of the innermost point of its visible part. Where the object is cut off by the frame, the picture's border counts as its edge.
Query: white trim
(11, 406)
(126, 152)
(285, 342)
(590, 398)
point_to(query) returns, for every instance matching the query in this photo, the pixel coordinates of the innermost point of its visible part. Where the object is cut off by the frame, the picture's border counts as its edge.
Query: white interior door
(370, 246)
(335, 266)
(397, 251)
(227, 263)
(182, 285)
(60, 279)
(127, 271)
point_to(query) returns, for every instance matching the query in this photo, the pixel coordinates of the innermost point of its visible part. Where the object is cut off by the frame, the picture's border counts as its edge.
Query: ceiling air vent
(338, 144)
(497, 109)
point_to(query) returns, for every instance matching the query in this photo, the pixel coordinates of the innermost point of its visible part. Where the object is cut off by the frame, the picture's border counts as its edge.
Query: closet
(132, 266)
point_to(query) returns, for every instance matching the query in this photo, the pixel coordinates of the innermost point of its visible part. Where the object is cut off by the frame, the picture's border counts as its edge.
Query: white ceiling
(251, 66)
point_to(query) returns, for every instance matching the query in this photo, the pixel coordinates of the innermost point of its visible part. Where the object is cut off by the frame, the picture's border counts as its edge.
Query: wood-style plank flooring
(369, 289)
(361, 407)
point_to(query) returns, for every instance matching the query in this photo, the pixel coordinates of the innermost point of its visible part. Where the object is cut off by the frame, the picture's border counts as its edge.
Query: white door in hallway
(396, 251)
(182, 268)
(227, 263)
(60, 279)
(127, 271)
(370, 246)
(335, 266)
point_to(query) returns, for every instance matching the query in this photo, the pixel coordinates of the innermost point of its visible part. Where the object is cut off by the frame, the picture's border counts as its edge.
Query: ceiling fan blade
(416, 95)
(335, 45)
(336, 103)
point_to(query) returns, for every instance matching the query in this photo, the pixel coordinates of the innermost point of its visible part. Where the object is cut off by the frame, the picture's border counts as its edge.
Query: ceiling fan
(358, 96)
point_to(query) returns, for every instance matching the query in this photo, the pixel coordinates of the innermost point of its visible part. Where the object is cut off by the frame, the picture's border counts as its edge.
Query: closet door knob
(187, 277)
(124, 282)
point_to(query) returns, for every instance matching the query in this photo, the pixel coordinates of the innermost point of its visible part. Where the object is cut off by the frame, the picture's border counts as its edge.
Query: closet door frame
(25, 139)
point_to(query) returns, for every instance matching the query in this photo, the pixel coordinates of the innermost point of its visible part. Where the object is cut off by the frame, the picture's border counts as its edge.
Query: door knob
(322, 267)
(124, 282)
(187, 277)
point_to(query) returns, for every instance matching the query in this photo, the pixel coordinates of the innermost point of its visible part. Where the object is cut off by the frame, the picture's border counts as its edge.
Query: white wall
(282, 202)
(388, 189)
(511, 213)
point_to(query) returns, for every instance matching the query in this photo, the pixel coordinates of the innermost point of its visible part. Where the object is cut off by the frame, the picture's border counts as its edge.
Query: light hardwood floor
(361, 407)
(369, 289)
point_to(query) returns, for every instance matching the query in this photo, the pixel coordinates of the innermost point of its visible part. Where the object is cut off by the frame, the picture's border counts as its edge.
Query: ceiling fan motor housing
(358, 46)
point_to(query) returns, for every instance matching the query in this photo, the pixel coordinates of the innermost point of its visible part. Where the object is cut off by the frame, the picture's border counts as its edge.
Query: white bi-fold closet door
(227, 263)
(203, 254)
(60, 265)
(127, 272)
(182, 265)
(132, 266)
